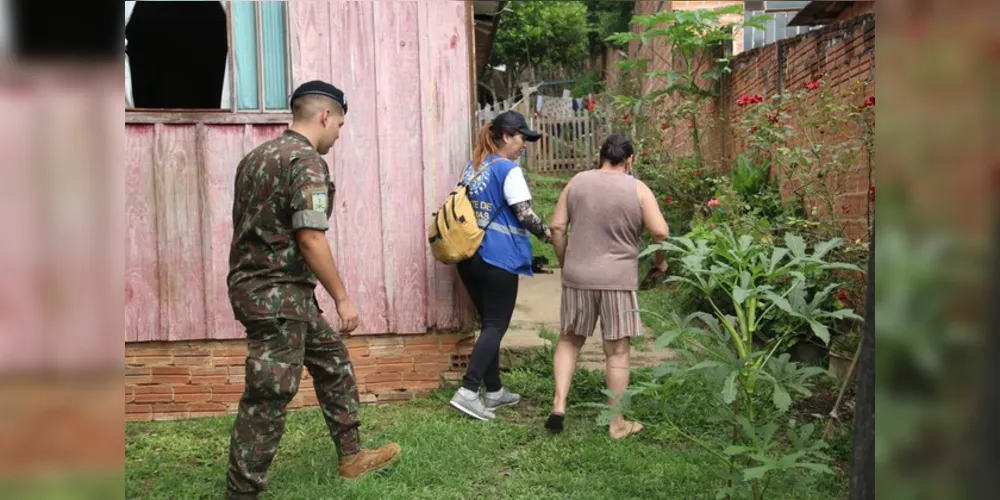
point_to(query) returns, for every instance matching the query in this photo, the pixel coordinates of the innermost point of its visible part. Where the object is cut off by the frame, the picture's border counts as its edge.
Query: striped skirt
(617, 310)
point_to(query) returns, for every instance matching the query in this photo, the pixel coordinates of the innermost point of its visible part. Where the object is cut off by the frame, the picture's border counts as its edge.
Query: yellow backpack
(454, 233)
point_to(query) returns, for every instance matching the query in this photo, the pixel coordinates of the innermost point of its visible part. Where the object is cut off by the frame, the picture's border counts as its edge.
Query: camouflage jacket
(282, 185)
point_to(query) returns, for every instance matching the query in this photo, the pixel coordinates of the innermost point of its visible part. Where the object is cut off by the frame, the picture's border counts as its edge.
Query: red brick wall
(842, 54)
(176, 380)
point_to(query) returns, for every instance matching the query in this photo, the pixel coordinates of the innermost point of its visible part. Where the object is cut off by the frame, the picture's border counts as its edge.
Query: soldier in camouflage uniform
(281, 209)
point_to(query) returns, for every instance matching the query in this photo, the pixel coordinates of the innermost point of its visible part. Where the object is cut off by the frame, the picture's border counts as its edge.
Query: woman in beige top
(607, 209)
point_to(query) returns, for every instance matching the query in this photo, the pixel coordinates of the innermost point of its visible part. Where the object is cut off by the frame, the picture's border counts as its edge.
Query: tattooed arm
(531, 221)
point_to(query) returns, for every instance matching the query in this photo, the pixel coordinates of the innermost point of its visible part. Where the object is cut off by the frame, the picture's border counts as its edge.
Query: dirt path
(538, 306)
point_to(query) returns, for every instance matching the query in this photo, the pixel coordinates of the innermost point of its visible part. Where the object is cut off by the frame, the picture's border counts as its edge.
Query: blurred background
(61, 250)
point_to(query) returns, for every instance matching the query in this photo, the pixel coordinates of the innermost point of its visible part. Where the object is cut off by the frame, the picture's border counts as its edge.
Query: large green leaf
(736, 450)
(666, 339)
(780, 397)
(780, 302)
(796, 244)
(821, 468)
(740, 294)
(845, 314)
(824, 248)
(820, 330)
(755, 473)
(841, 266)
(729, 388)
(777, 255)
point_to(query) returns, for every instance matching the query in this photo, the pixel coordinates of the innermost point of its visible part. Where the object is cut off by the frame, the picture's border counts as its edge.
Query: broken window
(191, 55)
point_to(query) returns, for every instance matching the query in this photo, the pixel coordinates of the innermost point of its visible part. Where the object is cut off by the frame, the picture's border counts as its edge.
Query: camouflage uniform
(281, 186)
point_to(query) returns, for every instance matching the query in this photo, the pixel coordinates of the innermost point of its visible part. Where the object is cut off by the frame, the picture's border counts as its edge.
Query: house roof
(487, 19)
(818, 13)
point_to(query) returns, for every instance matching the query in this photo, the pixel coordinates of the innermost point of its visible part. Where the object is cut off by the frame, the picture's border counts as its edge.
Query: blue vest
(507, 244)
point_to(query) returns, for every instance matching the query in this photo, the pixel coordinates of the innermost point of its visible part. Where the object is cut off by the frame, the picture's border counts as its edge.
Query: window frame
(232, 114)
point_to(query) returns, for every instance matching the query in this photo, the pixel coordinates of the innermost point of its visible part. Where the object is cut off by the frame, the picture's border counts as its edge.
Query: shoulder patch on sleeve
(319, 201)
(317, 198)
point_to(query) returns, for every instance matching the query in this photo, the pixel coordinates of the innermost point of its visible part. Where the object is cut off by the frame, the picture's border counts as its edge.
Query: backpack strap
(473, 179)
(480, 172)
(495, 215)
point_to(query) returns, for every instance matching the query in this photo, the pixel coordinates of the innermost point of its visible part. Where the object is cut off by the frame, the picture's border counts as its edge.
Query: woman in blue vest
(502, 202)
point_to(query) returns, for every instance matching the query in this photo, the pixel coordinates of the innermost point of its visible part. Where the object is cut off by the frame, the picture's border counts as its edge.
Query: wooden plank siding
(405, 68)
(60, 207)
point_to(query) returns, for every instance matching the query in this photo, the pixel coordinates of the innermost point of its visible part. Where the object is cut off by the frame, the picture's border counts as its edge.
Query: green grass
(449, 456)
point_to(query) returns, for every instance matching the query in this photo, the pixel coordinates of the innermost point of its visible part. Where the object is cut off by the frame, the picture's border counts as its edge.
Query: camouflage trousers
(277, 349)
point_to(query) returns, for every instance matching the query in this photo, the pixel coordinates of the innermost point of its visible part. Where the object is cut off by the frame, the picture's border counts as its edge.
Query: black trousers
(494, 292)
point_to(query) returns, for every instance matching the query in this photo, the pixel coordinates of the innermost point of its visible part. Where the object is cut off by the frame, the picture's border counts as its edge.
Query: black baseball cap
(515, 121)
(319, 87)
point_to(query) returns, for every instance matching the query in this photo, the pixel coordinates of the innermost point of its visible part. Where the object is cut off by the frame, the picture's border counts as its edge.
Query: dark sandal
(555, 422)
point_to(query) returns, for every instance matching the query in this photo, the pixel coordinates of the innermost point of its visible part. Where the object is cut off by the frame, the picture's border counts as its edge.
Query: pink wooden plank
(356, 165)
(309, 32)
(74, 276)
(264, 133)
(444, 73)
(397, 64)
(142, 301)
(21, 317)
(116, 170)
(221, 151)
(178, 214)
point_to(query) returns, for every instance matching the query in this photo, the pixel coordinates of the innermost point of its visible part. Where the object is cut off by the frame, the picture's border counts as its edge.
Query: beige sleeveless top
(605, 223)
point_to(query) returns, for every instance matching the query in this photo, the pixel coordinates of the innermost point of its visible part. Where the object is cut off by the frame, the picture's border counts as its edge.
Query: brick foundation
(177, 380)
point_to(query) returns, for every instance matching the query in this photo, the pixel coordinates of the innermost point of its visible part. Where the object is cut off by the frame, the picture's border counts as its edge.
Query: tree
(607, 17)
(541, 36)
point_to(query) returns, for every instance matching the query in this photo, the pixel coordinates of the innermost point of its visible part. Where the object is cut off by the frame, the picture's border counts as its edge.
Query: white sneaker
(501, 399)
(471, 404)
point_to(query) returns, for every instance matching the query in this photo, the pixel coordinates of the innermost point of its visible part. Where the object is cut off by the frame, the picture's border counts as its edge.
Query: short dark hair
(616, 149)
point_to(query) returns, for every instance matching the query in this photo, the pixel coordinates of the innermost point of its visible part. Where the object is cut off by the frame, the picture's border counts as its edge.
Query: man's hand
(661, 266)
(348, 316)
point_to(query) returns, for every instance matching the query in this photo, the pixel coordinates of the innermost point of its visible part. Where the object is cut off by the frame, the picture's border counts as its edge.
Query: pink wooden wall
(405, 69)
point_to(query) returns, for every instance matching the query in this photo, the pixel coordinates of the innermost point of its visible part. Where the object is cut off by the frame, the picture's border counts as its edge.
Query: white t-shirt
(515, 187)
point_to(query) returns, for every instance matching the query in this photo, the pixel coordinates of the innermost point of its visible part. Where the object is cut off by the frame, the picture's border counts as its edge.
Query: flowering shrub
(810, 137)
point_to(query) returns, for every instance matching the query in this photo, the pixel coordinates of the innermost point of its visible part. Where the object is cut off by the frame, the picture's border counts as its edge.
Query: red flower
(625, 116)
(871, 193)
(842, 296)
(668, 200)
(691, 126)
(645, 153)
(664, 126)
(773, 118)
(590, 105)
(870, 102)
(813, 85)
(749, 99)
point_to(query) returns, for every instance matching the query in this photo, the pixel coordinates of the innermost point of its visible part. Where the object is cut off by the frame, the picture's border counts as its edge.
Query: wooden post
(863, 456)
